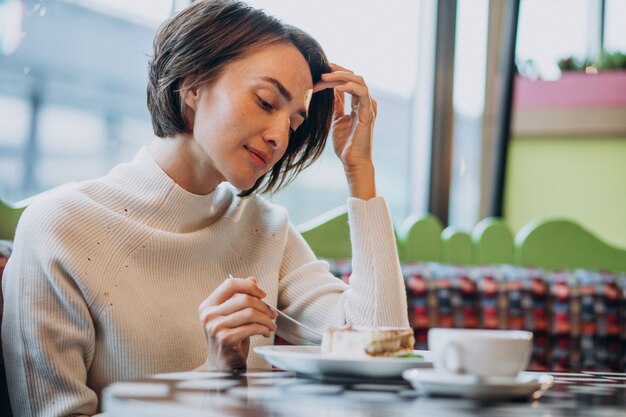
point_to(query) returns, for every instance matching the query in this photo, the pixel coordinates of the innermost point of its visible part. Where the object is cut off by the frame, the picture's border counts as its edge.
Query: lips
(260, 158)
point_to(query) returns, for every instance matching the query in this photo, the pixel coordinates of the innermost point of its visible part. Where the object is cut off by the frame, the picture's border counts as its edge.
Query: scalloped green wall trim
(456, 246)
(422, 239)
(563, 244)
(549, 244)
(330, 238)
(493, 242)
(9, 217)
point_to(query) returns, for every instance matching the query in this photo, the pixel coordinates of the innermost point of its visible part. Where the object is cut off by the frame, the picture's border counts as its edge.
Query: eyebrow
(283, 92)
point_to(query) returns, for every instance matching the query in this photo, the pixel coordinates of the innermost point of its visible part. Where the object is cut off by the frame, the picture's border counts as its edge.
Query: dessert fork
(304, 326)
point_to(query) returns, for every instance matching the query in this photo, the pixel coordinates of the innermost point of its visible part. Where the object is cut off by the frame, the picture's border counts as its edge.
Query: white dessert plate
(526, 384)
(307, 360)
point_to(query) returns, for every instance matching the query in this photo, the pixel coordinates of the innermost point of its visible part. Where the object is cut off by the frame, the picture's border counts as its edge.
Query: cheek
(235, 114)
(214, 117)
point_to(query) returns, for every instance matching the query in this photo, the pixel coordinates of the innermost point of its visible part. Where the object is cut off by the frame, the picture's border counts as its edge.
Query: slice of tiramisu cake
(368, 341)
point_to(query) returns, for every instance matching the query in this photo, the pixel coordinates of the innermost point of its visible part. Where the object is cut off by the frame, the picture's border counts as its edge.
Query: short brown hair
(198, 42)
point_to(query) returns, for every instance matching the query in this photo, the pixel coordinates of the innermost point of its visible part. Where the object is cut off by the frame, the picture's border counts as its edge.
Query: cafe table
(279, 393)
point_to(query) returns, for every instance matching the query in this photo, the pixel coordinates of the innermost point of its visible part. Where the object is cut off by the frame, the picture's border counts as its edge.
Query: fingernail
(274, 313)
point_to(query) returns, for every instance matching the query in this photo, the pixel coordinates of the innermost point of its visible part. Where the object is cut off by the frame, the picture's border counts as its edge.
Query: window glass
(150, 12)
(469, 101)
(14, 126)
(549, 31)
(88, 85)
(14, 118)
(379, 41)
(70, 131)
(81, 92)
(614, 32)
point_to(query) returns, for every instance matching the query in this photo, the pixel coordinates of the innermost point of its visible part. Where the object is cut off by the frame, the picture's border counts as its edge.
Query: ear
(191, 97)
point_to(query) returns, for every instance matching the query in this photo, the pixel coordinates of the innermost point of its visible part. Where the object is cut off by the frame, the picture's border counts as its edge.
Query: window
(82, 96)
(552, 30)
(72, 102)
(379, 42)
(469, 101)
(614, 33)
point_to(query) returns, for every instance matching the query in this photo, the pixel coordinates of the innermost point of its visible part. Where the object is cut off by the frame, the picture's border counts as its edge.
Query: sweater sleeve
(376, 295)
(47, 332)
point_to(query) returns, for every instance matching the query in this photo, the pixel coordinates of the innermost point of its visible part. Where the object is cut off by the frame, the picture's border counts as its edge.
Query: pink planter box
(572, 90)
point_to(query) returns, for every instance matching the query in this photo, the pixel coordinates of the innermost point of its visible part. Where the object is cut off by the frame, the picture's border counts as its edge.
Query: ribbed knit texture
(105, 281)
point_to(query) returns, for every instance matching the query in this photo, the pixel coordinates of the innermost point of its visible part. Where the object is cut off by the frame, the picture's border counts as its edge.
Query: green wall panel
(581, 179)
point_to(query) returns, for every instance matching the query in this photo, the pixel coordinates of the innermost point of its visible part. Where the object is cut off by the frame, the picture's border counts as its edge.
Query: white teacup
(482, 353)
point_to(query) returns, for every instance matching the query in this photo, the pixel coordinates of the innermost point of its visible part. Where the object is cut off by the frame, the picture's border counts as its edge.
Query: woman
(105, 280)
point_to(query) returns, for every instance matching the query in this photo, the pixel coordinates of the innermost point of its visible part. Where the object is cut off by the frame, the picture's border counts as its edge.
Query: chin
(242, 184)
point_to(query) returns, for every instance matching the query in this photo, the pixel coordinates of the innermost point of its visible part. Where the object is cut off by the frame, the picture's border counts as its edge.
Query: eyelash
(265, 105)
(268, 107)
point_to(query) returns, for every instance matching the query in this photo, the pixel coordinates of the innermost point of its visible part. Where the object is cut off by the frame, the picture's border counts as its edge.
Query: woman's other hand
(230, 315)
(353, 132)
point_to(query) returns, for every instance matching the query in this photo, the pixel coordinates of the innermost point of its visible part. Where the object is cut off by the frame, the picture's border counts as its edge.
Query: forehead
(281, 61)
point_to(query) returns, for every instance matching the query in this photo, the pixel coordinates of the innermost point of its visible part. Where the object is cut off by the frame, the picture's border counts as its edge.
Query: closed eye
(269, 108)
(264, 104)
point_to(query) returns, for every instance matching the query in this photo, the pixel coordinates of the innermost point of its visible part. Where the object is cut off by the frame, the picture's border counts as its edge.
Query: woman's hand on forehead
(352, 131)
(343, 80)
(323, 85)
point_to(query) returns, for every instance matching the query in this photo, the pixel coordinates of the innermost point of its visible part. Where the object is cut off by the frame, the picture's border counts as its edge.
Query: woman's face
(243, 119)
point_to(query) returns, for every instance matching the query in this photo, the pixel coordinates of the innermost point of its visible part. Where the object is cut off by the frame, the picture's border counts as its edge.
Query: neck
(185, 162)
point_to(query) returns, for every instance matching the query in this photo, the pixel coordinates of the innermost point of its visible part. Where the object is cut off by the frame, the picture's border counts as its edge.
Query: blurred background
(485, 106)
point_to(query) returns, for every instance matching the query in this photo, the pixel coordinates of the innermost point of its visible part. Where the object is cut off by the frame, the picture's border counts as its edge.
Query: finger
(216, 327)
(358, 91)
(343, 76)
(354, 104)
(236, 303)
(336, 67)
(233, 337)
(231, 287)
(322, 85)
(233, 304)
(239, 318)
(339, 104)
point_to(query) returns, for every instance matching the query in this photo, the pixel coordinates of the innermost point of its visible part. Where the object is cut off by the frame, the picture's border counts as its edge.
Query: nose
(277, 135)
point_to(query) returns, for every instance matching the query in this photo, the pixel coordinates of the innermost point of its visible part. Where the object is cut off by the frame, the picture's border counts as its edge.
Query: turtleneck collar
(162, 201)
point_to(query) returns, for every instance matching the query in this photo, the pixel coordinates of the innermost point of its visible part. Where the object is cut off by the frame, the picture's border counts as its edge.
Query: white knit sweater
(105, 282)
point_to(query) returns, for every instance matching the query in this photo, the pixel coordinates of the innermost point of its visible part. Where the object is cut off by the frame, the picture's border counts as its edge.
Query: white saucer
(468, 386)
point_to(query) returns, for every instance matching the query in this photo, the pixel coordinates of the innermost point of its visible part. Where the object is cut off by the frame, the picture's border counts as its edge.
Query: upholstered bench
(553, 277)
(577, 316)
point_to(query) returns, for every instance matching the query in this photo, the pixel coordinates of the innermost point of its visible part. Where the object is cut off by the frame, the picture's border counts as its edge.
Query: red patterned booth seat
(577, 317)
